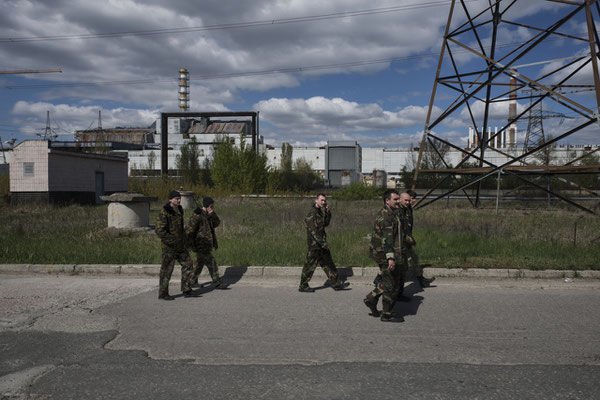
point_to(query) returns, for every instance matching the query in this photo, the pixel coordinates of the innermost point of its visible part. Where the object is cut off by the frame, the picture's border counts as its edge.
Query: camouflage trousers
(389, 286)
(401, 277)
(413, 261)
(322, 257)
(166, 270)
(207, 259)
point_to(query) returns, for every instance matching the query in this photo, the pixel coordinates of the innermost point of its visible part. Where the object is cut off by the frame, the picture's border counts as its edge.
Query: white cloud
(66, 118)
(336, 114)
(302, 115)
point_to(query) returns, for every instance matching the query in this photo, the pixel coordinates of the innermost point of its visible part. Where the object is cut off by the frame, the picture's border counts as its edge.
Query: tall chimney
(184, 89)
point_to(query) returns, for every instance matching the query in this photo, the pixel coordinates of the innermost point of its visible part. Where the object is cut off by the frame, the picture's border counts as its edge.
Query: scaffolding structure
(474, 70)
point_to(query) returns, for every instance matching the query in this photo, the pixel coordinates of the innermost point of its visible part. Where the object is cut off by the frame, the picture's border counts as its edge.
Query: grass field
(271, 232)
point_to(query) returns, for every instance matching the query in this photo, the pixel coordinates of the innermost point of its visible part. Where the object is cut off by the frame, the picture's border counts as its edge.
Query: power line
(236, 25)
(283, 70)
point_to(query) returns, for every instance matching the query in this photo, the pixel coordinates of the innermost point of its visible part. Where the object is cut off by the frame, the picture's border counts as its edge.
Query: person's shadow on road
(411, 307)
(343, 274)
(231, 276)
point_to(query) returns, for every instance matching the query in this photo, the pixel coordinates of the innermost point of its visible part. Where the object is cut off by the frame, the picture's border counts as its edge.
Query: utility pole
(48, 131)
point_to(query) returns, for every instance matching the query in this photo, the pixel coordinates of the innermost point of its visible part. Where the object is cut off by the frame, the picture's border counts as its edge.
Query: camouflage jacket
(406, 217)
(169, 228)
(201, 231)
(316, 221)
(387, 238)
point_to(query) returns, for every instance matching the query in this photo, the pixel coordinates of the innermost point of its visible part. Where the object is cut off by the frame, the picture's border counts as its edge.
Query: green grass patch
(271, 232)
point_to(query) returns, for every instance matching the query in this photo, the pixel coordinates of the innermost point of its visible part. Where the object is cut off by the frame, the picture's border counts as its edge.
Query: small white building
(40, 173)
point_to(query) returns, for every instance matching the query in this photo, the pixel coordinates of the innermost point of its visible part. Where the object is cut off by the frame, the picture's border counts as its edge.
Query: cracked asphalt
(73, 337)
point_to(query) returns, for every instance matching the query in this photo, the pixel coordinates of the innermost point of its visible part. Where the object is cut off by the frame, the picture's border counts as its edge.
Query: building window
(28, 169)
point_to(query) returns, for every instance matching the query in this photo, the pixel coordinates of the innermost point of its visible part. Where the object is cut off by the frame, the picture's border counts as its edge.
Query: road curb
(267, 272)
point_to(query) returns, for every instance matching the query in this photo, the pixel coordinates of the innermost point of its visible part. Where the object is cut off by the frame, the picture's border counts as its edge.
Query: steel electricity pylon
(474, 69)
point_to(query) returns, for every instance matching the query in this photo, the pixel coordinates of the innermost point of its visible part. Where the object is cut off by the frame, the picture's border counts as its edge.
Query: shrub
(238, 169)
(358, 191)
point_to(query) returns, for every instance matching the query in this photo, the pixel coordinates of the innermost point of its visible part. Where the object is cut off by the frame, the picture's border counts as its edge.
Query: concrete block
(514, 273)
(348, 272)
(128, 215)
(370, 272)
(589, 274)
(97, 269)
(485, 273)
(442, 272)
(52, 268)
(285, 272)
(548, 274)
(237, 270)
(14, 268)
(140, 270)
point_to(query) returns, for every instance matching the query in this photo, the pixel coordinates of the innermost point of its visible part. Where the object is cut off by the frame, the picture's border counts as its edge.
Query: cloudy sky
(315, 70)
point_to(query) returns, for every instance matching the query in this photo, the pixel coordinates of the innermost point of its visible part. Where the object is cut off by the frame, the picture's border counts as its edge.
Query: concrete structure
(106, 137)
(247, 128)
(40, 173)
(343, 163)
(187, 199)
(128, 210)
(182, 128)
(392, 161)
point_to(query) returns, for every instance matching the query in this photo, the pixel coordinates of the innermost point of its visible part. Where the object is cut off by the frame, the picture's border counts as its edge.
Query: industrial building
(137, 136)
(392, 161)
(40, 172)
(144, 148)
(343, 163)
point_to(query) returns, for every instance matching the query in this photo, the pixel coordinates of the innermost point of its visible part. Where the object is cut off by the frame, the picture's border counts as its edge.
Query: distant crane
(29, 71)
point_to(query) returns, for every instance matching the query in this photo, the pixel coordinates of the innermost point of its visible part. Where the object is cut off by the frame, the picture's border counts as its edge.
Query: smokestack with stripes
(184, 89)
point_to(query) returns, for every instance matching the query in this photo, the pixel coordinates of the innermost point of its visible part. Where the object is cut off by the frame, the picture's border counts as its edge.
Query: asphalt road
(69, 337)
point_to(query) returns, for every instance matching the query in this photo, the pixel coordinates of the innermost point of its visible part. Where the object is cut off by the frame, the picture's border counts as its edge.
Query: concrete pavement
(69, 336)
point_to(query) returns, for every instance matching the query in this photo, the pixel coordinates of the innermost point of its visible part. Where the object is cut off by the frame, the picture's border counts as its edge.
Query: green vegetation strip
(271, 232)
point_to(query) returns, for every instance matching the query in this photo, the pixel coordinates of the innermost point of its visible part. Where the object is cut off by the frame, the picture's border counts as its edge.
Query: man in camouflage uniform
(386, 250)
(410, 242)
(202, 238)
(169, 228)
(318, 249)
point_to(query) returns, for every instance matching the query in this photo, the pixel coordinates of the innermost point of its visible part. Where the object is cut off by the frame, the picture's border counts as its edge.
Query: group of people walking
(391, 247)
(176, 238)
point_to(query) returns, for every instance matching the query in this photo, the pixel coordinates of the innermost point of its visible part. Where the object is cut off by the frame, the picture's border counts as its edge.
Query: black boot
(372, 306)
(425, 282)
(391, 318)
(341, 286)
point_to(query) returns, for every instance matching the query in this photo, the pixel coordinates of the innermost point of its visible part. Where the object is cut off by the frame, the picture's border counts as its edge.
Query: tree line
(241, 169)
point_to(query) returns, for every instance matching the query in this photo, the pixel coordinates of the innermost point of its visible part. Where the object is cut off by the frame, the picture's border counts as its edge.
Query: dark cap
(207, 201)
(173, 194)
